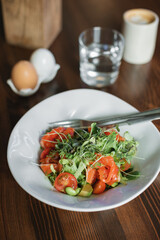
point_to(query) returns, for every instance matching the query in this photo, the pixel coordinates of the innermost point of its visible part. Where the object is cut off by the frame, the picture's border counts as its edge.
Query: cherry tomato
(91, 162)
(69, 131)
(64, 180)
(107, 133)
(118, 136)
(48, 160)
(46, 168)
(45, 152)
(89, 129)
(99, 187)
(46, 165)
(60, 166)
(91, 175)
(57, 167)
(125, 166)
(48, 140)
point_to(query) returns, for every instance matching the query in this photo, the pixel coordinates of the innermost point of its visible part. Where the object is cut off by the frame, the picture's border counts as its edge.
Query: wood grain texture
(32, 24)
(24, 217)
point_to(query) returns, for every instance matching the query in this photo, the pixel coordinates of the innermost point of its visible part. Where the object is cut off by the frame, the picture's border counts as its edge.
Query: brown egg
(24, 75)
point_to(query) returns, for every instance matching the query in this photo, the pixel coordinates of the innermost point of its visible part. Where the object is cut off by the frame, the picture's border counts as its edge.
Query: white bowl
(82, 103)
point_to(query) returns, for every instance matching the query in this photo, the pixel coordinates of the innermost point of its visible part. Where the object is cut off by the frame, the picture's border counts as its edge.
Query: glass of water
(100, 52)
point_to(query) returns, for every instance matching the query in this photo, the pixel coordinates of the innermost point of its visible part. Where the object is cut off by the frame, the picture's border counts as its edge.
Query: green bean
(72, 192)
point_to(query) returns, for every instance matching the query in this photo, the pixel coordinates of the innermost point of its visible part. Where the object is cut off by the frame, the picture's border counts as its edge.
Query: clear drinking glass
(100, 51)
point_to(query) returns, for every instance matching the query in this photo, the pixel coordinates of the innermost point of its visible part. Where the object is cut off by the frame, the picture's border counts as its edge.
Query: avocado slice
(86, 190)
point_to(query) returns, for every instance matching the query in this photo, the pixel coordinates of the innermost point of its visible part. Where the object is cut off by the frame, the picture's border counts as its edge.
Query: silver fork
(124, 119)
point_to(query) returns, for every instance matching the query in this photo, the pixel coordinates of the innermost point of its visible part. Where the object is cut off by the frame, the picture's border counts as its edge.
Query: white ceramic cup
(140, 32)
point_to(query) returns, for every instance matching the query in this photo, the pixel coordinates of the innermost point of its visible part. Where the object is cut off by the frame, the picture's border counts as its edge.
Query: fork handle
(133, 118)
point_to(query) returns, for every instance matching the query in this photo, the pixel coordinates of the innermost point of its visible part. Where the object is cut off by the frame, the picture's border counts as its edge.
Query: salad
(87, 161)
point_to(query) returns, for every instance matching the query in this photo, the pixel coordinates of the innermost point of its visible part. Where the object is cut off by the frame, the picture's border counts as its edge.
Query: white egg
(44, 62)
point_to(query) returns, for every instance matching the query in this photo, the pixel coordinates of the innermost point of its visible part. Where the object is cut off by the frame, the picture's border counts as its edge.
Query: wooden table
(24, 217)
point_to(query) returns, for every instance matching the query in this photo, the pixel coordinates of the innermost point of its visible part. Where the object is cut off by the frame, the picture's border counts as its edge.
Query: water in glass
(99, 64)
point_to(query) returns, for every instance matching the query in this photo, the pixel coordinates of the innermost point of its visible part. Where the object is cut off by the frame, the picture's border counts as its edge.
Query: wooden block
(32, 23)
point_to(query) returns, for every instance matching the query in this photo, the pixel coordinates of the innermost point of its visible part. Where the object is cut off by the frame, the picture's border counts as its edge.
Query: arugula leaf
(80, 169)
(132, 175)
